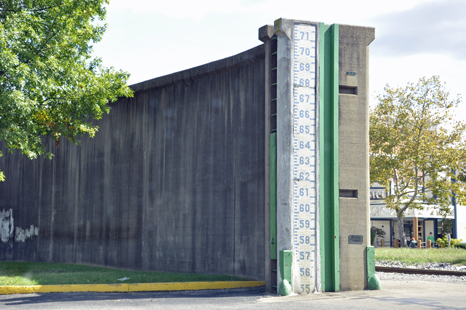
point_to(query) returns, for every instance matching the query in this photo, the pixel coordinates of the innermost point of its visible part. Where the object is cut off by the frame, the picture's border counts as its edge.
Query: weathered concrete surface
(354, 153)
(173, 180)
(283, 30)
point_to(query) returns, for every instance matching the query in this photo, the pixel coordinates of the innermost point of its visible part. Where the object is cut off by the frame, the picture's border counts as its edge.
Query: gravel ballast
(420, 277)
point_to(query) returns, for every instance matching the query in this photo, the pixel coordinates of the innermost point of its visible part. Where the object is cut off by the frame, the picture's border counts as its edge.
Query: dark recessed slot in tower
(350, 90)
(273, 107)
(273, 89)
(273, 84)
(274, 43)
(349, 193)
(273, 62)
(273, 75)
(273, 123)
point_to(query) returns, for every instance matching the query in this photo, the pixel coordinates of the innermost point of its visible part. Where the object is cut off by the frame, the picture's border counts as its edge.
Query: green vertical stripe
(370, 261)
(273, 195)
(322, 171)
(373, 283)
(335, 155)
(286, 260)
(328, 157)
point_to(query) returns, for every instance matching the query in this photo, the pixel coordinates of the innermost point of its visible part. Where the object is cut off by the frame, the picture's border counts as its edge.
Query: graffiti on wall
(6, 225)
(8, 231)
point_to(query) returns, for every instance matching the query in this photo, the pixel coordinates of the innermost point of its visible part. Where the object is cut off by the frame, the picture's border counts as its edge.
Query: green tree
(462, 175)
(49, 83)
(416, 147)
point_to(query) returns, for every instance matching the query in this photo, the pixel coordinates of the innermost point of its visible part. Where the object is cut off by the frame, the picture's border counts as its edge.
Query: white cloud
(433, 27)
(315, 10)
(184, 9)
(414, 38)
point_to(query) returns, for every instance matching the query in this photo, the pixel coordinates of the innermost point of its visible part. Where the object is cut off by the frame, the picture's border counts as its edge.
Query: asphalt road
(394, 294)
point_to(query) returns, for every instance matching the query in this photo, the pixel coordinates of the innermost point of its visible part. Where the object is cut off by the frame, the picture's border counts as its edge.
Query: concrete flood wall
(177, 178)
(173, 180)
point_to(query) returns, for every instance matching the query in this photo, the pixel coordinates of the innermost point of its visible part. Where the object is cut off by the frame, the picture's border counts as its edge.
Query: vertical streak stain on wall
(173, 180)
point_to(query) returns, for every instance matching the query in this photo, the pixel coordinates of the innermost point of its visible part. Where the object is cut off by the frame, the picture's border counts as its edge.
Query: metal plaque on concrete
(355, 239)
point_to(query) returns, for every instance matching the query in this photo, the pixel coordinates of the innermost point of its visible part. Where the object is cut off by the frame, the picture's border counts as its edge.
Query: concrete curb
(133, 287)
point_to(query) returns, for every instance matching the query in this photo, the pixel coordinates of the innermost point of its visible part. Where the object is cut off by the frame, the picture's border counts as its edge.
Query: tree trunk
(401, 231)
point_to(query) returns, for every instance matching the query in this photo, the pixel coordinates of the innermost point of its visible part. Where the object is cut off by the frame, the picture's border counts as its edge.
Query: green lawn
(421, 256)
(23, 273)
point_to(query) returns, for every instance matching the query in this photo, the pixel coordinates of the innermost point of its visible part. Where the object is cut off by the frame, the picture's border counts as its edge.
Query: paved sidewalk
(395, 294)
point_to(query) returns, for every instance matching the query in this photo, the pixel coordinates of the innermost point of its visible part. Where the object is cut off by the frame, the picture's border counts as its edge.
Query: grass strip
(26, 273)
(421, 256)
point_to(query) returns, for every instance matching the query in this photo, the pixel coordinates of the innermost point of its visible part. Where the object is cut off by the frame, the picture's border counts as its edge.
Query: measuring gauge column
(322, 156)
(297, 150)
(304, 154)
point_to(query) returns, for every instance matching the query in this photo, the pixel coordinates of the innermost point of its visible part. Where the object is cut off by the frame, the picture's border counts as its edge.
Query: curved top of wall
(200, 71)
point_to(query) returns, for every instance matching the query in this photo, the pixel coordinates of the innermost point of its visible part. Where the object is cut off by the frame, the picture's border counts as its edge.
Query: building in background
(423, 221)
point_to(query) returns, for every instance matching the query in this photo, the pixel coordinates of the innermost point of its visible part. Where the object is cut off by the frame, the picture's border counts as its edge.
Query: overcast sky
(413, 38)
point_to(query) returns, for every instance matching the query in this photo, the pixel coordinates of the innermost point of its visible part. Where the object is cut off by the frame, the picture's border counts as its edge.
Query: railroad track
(421, 271)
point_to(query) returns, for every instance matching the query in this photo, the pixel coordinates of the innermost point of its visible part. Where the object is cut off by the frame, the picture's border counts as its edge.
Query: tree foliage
(417, 148)
(49, 84)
